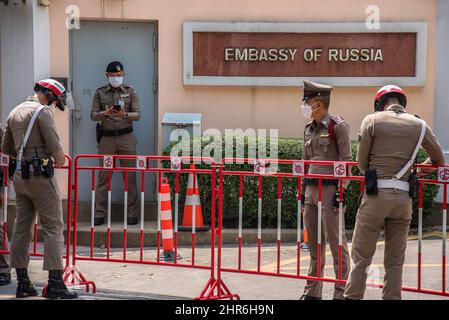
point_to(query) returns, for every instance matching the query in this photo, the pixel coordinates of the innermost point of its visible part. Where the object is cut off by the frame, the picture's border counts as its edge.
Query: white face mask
(307, 110)
(115, 82)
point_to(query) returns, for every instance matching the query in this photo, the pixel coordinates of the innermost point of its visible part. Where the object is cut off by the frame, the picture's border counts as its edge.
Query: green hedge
(288, 148)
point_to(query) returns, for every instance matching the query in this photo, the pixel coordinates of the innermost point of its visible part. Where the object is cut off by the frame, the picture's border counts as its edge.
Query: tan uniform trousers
(4, 258)
(329, 231)
(37, 195)
(125, 145)
(391, 210)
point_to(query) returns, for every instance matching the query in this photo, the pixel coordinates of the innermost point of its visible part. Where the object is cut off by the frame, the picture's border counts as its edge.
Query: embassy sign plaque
(284, 54)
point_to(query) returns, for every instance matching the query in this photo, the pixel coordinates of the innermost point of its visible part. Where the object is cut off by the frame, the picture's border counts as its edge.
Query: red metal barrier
(215, 288)
(78, 278)
(301, 174)
(35, 252)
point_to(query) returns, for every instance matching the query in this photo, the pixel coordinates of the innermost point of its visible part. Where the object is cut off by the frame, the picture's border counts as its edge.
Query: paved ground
(132, 281)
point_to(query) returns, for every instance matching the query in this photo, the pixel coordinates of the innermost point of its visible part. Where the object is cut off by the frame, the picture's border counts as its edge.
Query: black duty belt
(324, 182)
(119, 132)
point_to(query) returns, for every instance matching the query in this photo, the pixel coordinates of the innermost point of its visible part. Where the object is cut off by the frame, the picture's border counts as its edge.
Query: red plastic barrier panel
(165, 233)
(341, 174)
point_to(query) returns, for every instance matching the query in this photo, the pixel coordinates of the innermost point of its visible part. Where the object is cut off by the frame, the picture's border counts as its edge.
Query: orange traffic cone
(304, 245)
(193, 214)
(168, 253)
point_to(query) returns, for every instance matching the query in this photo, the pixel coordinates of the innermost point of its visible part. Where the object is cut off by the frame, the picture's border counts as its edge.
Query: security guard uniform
(117, 138)
(319, 144)
(38, 194)
(387, 141)
(32, 139)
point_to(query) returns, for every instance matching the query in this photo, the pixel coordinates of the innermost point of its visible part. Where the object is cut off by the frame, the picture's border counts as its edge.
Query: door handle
(78, 116)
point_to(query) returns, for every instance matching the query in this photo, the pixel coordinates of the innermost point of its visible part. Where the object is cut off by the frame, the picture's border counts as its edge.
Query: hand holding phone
(119, 112)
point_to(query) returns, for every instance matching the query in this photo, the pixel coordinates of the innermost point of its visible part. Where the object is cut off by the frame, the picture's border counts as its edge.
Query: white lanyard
(28, 132)
(401, 173)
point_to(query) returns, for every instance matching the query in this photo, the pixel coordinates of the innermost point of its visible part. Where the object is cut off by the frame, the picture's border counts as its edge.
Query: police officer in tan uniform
(31, 138)
(5, 271)
(116, 106)
(387, 143)
(325, 138)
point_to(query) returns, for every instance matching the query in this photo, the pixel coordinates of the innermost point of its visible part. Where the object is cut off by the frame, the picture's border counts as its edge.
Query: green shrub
(288, 148)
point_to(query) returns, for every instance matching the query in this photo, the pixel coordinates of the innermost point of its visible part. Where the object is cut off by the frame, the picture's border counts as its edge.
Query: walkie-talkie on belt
(414, 184)
(36, 162)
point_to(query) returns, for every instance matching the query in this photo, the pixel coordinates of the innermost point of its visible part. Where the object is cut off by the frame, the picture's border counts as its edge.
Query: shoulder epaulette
(337, 120)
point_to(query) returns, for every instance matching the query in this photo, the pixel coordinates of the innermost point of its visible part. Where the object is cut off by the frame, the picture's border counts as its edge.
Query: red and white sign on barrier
(340, 169)
(298, 169)
(108, 162)
(259, 167)
(141, 163)
(443, 174)
(175, 163)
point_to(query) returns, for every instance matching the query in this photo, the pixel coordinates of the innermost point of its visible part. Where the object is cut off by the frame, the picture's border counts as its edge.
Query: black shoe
(56, 288)
(132, 221)
(5, 279)
(98, 221)
(25, 289)
(306, 297)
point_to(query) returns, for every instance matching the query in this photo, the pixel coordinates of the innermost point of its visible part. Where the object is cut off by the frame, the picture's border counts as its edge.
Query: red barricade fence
(142, 168)
(215, 287)
(342, 172)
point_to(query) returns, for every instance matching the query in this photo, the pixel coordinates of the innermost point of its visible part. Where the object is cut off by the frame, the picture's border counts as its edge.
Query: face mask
(307, 110)
(115, 81)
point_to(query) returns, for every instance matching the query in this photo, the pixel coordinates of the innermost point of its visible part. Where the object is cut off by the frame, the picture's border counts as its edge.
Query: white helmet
(387, 92)
(53, 90)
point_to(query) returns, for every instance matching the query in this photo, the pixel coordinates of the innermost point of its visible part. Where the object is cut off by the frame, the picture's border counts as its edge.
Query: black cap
(312, 89)
(115, 66)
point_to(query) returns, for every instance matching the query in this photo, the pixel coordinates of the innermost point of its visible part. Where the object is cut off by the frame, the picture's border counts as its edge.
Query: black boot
(98, 221)
(56, 288)
(25, 288)
(5, 279)
(132, 221)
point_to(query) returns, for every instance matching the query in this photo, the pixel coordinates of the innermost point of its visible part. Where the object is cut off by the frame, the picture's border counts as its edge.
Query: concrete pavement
(134, 281)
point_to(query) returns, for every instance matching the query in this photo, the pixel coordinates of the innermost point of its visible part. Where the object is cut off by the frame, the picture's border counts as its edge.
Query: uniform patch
(338, 120)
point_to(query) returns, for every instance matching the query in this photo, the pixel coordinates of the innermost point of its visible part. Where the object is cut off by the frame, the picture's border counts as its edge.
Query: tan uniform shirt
(43, 137)
(318, 144)
(387, 141)
(107, 96)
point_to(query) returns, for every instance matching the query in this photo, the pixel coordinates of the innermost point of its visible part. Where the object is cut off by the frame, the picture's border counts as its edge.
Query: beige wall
(245, 107)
